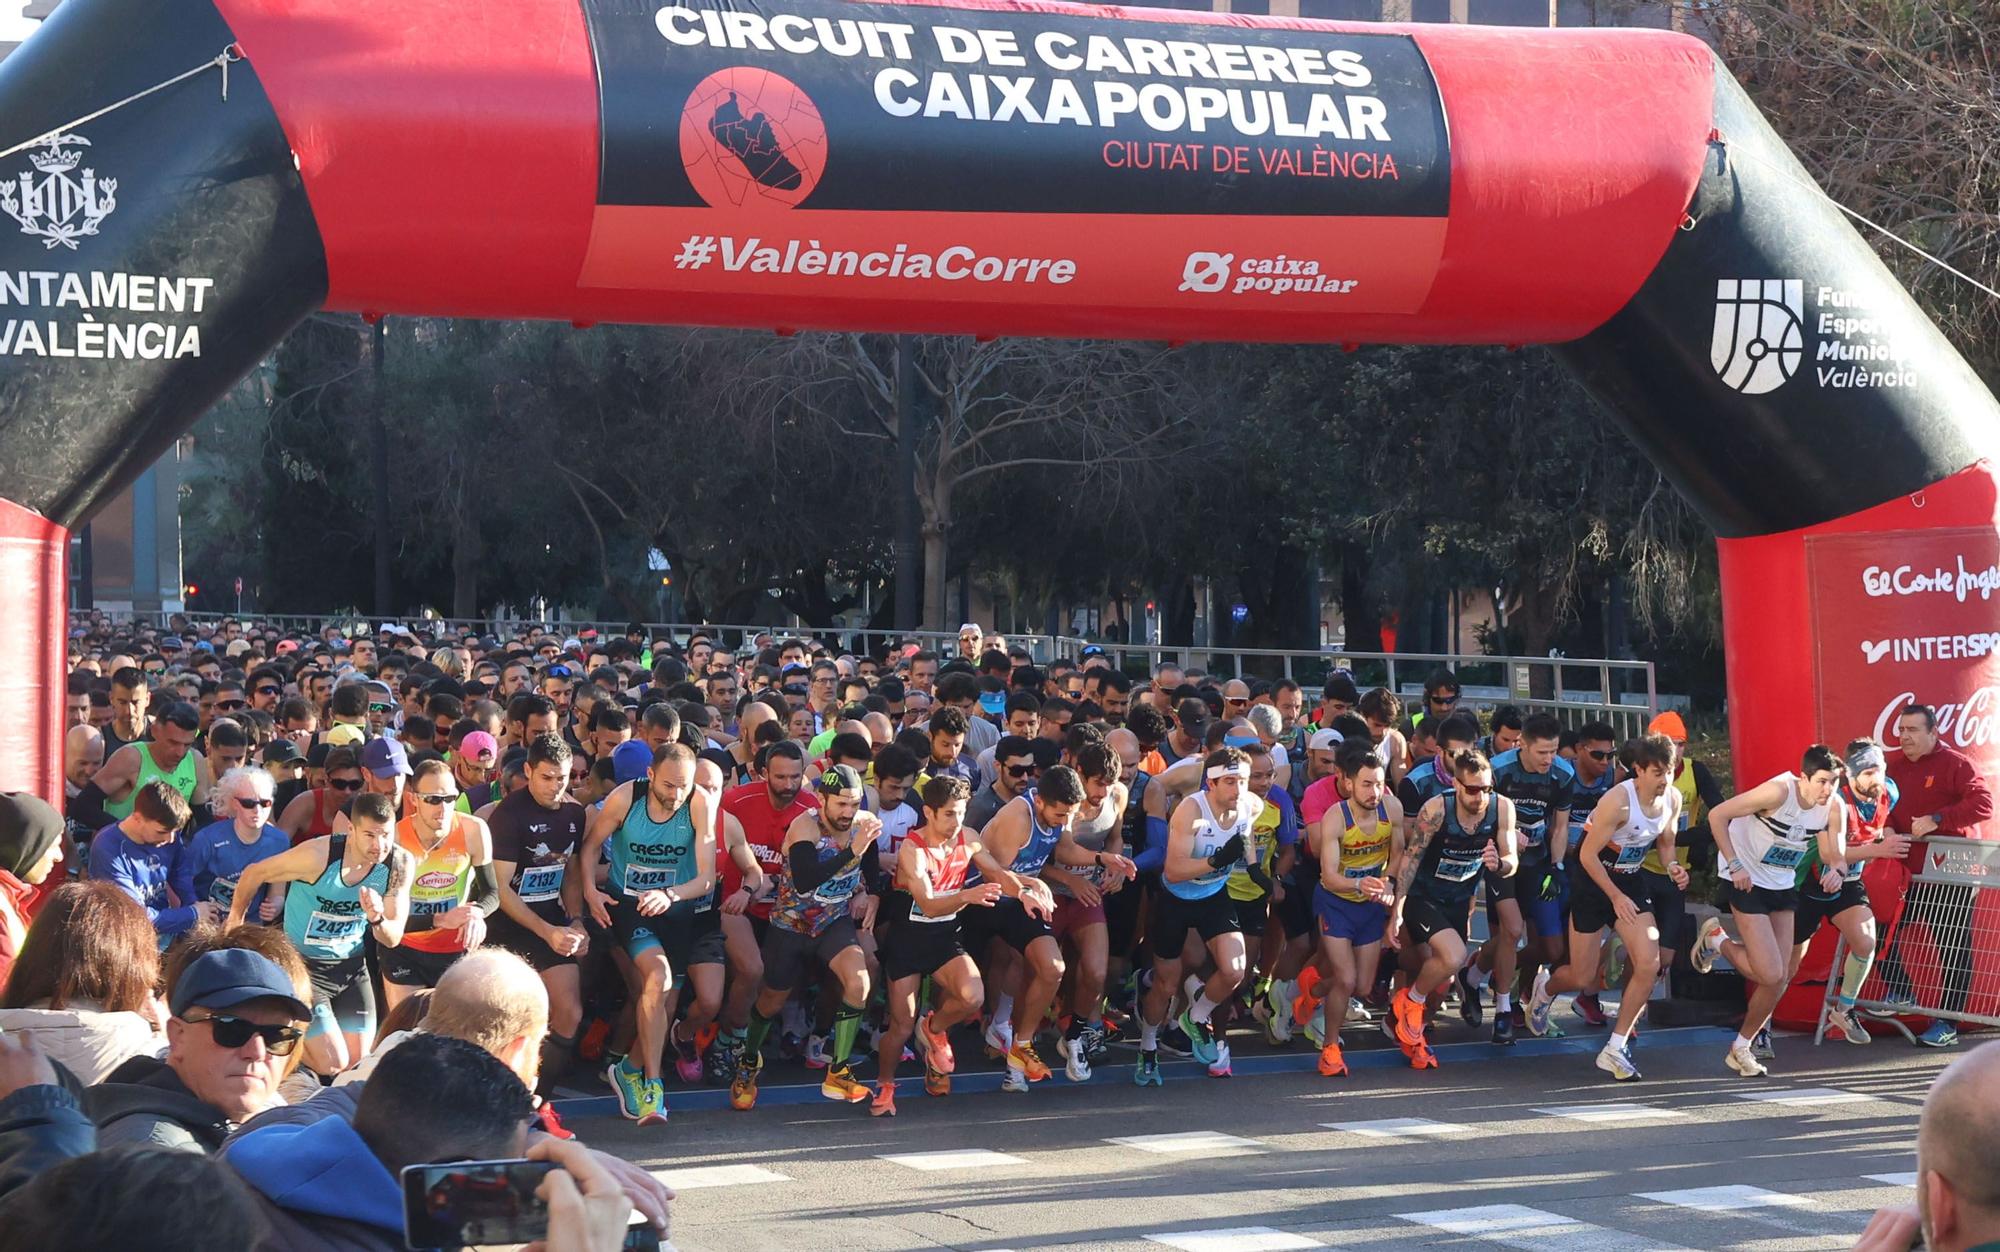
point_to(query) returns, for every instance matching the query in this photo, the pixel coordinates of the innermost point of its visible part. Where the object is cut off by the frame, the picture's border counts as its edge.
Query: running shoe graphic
(752, 141)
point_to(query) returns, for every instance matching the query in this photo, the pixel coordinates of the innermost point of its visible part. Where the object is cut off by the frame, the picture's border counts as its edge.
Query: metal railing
(1939, 956)
(1575, 689)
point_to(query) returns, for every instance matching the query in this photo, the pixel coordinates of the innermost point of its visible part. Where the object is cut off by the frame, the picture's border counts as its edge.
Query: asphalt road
(1525, 1148)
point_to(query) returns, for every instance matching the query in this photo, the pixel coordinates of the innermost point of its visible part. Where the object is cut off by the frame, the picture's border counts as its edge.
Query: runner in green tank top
(170, 756)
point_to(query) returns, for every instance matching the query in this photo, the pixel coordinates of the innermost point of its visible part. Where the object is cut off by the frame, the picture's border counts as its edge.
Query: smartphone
(467, 1203)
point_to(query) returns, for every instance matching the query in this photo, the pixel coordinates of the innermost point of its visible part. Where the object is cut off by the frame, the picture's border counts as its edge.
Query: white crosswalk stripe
(1802, 1095)
(1726, 1199)
(1236, 1239)
(1894, 1180)
(1611, 1112)
(1206, 1142)
(698, 1176)
(1400, 1128)
(1530, 1229)
(959, 1158)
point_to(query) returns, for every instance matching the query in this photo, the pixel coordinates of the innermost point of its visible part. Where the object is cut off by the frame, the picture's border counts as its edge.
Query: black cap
(840, 778)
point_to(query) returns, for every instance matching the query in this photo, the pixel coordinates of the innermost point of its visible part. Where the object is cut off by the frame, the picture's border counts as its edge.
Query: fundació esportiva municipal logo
(57, 203)
(751, 139)
(1760, 332)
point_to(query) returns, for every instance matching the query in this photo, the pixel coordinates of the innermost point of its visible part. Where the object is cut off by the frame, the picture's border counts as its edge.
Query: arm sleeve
(808, 871)
(1154, 859)
(485, 894)
(1706, 786)
(88, 808)
(1288, 820)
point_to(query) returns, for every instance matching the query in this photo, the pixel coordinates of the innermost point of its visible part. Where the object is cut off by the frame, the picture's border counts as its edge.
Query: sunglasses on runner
(234, 1032)
(380, 707)
(1472, 790)
(253, 802)
(1602, 756)
(1023, 771)
(441, 797)
(231, 706)
(270, 691)
(1444, 699)
(344, 784)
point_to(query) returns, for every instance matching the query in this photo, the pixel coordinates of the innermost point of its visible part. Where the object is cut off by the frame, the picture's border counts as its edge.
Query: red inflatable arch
(186, 179)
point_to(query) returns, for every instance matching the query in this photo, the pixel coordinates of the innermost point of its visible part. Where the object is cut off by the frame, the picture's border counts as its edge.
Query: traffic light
(191, 591)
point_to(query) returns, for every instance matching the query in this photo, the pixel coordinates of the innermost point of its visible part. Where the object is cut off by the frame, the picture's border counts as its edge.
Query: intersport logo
(1967, 726)
(1931, 648)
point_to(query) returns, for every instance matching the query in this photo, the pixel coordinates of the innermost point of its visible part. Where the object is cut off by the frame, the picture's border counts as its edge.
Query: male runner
(821, 910)
(1762, 837)
(765, 809)
(535, 835)
(1081, 893)
(1868, 794)
(1456, 835)
(1609, 890)
(1023, 837)
(932, 865)
(1540, 785)
(1209, 835)
(1360, 841)
(662, 911)
(453, 893)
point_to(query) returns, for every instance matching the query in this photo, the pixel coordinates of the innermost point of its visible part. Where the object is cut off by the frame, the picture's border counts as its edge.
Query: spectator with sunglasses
(240, 836)
(236, 1016)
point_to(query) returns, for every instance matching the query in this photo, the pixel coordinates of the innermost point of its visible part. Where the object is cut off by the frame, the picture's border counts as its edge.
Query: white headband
(1240, 770)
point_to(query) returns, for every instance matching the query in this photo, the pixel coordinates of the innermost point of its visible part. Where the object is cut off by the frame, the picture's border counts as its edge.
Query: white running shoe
(1000, 1035)
(1743, 1062)
(1077, 1067)
(1617, 1063)
(1016, 1080)
(1277, 1008)
(1707, 945)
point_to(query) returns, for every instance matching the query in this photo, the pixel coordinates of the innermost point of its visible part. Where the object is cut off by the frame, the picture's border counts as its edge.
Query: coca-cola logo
(1908, 580)
(1972, 724)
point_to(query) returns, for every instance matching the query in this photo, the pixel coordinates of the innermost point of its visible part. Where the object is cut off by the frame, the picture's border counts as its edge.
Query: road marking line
(957, 1158)
(1206, 1141)
(1894, 1180)
(1531, 1230)
(1399, 1128)
(1235, 1239)
(717, 1176)
(1803, 1095)
(1610, 1112)
(1727, 1199)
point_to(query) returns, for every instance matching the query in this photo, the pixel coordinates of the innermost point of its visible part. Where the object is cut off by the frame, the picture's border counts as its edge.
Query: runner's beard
(840, 825)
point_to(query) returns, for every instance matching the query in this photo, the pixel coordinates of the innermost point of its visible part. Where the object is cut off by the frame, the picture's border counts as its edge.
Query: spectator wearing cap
(236, 1016)
(384, 767)
(31, 847)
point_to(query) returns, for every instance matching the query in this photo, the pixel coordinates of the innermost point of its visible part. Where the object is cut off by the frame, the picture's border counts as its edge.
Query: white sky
(13, 27)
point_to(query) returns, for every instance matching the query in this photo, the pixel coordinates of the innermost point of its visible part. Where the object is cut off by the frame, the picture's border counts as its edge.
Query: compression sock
(1003, 1007)
(759, 1031)
(1853, 972)
(1202, 1008)
(846, 1024)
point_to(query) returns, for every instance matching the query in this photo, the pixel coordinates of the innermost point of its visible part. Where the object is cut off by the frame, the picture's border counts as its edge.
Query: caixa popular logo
(1760, 332)
(56, 202)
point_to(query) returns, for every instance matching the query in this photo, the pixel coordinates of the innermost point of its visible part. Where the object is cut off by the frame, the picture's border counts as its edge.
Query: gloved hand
(1229, 853)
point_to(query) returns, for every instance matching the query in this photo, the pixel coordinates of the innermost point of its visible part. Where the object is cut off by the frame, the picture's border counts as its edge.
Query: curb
(706, 1099)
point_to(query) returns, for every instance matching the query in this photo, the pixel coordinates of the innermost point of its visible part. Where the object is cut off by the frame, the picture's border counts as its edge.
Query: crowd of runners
(282, 858)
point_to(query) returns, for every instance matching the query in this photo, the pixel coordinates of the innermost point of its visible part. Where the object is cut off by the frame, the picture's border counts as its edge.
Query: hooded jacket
(321, 1188)
(144, 1102)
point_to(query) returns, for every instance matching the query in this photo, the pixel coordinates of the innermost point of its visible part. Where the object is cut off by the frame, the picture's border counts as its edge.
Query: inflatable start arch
(184, 180)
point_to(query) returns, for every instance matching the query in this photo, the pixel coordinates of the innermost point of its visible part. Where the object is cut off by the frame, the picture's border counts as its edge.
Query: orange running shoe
(935, 1045)
(840, 1084)
(1423, 1058)
(936, 1083)
(1409, 1017)
(1331, 1063)
(1024, 1058)
(884, 1104)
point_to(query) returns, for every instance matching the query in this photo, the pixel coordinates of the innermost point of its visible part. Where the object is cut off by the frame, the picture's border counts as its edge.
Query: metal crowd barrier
(1938, 956)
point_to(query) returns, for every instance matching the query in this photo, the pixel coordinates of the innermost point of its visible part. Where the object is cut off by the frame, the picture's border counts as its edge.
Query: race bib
(1533, 836)
(1778, 856)
(1459, 867)
(222, 891)
(1631, 857)
(918, 915)
(1360, 871)
(433, 907)
(334, 930)
(835, 890)
(540, 883)
(640, 878)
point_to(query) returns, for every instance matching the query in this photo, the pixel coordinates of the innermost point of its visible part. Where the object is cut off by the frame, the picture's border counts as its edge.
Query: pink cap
(481, 747)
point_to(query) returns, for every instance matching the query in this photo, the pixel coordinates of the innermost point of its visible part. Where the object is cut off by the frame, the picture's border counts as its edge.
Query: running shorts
(1814, 909)
(1073, 915)
(413, 967)
(1591, 911)
(916, 949)
(1526, 888)
(1295, 911)
(1426, 917)
(1760, 899)
(1122, 910)
(505, 932)
(689, 934)
(1252, 916)
(1174, 917)
(1359, 922)
(790, 957)
(343, 998)
(1006, 919)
